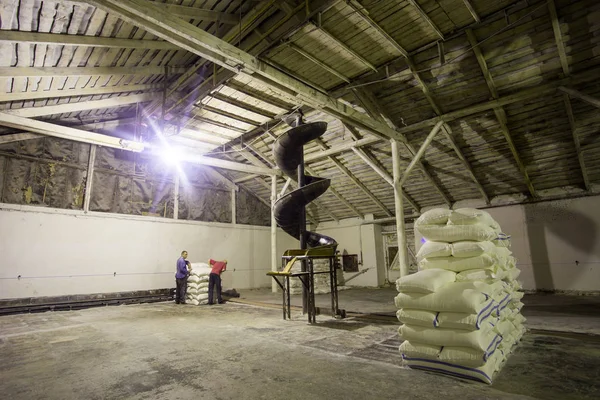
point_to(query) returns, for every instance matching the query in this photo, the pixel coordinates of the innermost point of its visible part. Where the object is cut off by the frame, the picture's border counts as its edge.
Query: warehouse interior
(132, 130)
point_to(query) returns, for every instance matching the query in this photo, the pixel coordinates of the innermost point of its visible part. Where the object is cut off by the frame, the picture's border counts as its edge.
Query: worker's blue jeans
(214, 282)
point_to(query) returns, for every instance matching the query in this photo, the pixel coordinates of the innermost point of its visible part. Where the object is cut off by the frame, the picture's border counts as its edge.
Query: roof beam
(250, 157)
(354, 54)
(198, 13)
(243, 105)
(359, 10)
(80, 40)
(47, 94)
(426, 18)
(64, 132)
(227, 114)
(217, 123)
(17, 137)
(375, 110)
(564, 62)
(581, 96)
(320, 63)
(80, 106)
(78, 71)
(254, 17)
(95, 126)
(199, 42)
(578, 149)
(245, 178)
(548, 88)
(374, 163)
(446, 130)
(360, 185)
(472, 10)
(265, 98)
(339, 196)
(499, 111)
(231, 165)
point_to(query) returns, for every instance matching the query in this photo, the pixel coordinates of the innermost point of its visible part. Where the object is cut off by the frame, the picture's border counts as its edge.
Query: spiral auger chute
(288, 152)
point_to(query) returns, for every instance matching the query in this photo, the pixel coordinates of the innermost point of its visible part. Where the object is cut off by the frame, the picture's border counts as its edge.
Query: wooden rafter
(87, 71)
(564, 62)
(523, 95)
(47, 94)
(446, 130)
(353, 178)
(241, 104)
(374, 163)
(472, 10)
(318, 62)
(80, 40)
(250, 20)
(581, 96)
(427, 18)
(198, 13)
(354, 54)
(361, 13)
(227, 114)
(255, 161)
(81, 106)
(310, 171)
(374, 109)
(499, 111)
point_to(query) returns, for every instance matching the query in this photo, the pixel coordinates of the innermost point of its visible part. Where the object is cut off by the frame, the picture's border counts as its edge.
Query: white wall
(62, 252)
(364, 240)
(556, 243)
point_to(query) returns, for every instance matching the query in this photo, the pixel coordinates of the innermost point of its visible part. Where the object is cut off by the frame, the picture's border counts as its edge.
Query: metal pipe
(421, 151)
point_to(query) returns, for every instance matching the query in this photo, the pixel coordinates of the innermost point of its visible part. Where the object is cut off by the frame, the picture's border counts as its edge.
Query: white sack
(466, 297)
(471, 216)
(472, 249)
(437, 216)
(426, 281)
(434, 249)
(457, 233)
(459, 264)
(484, 340)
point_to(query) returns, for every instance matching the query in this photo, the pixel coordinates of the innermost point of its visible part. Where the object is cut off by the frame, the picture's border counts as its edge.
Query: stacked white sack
(197, 285)
(322, 280)
(461, 311)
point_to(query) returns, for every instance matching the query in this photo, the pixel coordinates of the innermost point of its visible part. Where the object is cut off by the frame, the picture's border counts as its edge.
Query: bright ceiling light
(169, 155)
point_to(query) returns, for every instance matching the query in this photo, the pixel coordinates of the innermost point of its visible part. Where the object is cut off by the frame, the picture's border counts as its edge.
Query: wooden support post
(399, 208)
(421, 151)
(274, 257)
(176, 196)
(89, 179)
(234, 207)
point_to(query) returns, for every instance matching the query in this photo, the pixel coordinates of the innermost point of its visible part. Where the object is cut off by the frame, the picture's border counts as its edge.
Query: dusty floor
(579, 314)
(233, 351)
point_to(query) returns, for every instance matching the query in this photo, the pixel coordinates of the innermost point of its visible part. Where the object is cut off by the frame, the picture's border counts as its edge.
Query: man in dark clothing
(181, 277)
(214, 279)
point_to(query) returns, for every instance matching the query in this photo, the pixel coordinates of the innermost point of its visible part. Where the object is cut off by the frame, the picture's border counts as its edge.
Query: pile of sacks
(322, 281)
(461, 311)
(197, 284)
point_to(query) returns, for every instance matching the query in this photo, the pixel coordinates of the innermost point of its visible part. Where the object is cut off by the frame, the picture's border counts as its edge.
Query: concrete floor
(234, 351)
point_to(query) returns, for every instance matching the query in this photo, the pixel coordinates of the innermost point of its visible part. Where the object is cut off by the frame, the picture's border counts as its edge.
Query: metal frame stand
(308, 285)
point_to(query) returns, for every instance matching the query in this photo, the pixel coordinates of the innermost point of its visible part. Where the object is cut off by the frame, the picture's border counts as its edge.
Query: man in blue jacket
(181, 277)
